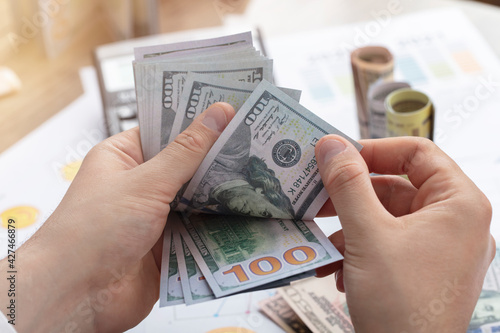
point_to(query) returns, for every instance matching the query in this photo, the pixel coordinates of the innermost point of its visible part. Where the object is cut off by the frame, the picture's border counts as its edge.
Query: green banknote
(194, 285)
(170, 282)
(173, 76)
(237, 253)
(263, 164)
(159, 87)
(202, 90)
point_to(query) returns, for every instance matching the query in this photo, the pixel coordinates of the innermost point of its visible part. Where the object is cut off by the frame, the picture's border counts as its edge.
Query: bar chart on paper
(446, 58)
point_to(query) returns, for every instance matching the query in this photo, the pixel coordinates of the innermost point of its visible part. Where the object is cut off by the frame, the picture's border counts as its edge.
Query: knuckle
(191, 141)
(344, 175)
(100, 148)
(423, 151)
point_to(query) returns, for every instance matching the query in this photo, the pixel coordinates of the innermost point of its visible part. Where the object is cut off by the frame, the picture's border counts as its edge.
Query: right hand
(415, 252)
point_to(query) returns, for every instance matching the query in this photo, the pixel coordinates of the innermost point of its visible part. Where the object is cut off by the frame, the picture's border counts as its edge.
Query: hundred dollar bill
(278, 310)
(319, 305)
(144, 89)
(159, 85)
(202, 90)
(171, 78)
(191, 47)
(370, 65)
(170, 285)
(237, 253)
(263, 164)
(194, 285)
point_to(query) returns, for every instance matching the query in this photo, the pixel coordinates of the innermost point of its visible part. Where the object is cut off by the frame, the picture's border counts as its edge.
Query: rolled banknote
(263, 164)
(370, 65)
(376, 98)
(409, 113)
(319, 305)
(238, 253)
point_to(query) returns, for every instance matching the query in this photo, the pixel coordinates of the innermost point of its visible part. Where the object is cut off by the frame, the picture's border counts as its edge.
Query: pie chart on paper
(70, 170)
(24, 216)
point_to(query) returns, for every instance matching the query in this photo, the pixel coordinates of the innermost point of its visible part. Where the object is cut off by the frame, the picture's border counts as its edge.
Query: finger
(177, 163)
(339, 279)
(416, 157)
(346, 178)
(338, 241)
(329, 269)
(157, 251)
(119, 152)
(328, 209)
(395, 193)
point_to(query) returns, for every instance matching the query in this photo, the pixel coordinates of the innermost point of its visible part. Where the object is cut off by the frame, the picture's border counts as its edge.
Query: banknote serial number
(268, 265)
(311, 166)
(11, 272)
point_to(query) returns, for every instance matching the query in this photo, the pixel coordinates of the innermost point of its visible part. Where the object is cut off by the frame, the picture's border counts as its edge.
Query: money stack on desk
(244, 221)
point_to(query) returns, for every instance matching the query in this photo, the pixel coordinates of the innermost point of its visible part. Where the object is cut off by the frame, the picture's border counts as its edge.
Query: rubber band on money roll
(409, 113)
(370, 65)
(376, 106)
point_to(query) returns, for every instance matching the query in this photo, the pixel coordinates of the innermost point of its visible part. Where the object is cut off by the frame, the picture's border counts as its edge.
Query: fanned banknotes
(170, 286)
(260, 181)
(240, 253)
(202, 90)
(263, 164)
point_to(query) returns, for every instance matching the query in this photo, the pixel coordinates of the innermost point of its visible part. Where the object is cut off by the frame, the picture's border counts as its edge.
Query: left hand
(95, 263)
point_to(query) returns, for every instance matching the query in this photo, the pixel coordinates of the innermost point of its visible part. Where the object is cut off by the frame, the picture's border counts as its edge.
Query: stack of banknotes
(245, 220)
(310, 305)
(314, 305)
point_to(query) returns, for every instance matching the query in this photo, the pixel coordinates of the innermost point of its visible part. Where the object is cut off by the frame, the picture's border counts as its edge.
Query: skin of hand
(94, 264)
(415, 252)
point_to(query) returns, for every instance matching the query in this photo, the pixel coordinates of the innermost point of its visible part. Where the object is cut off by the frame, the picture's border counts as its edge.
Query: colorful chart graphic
(231, 330)
(24, 216)
(70, 170)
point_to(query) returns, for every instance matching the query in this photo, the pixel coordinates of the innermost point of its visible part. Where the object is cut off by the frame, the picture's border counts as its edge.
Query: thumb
(177, 163)
(347, 180)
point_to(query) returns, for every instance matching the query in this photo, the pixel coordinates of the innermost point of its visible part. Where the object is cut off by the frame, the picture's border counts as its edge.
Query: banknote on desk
(317, 303)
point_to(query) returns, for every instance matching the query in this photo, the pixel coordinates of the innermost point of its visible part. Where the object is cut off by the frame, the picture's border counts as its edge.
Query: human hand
(415, 252)
(94, 265)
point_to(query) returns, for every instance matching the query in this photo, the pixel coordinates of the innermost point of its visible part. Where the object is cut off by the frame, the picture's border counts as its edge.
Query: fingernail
(330, 149)
(215, 118)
